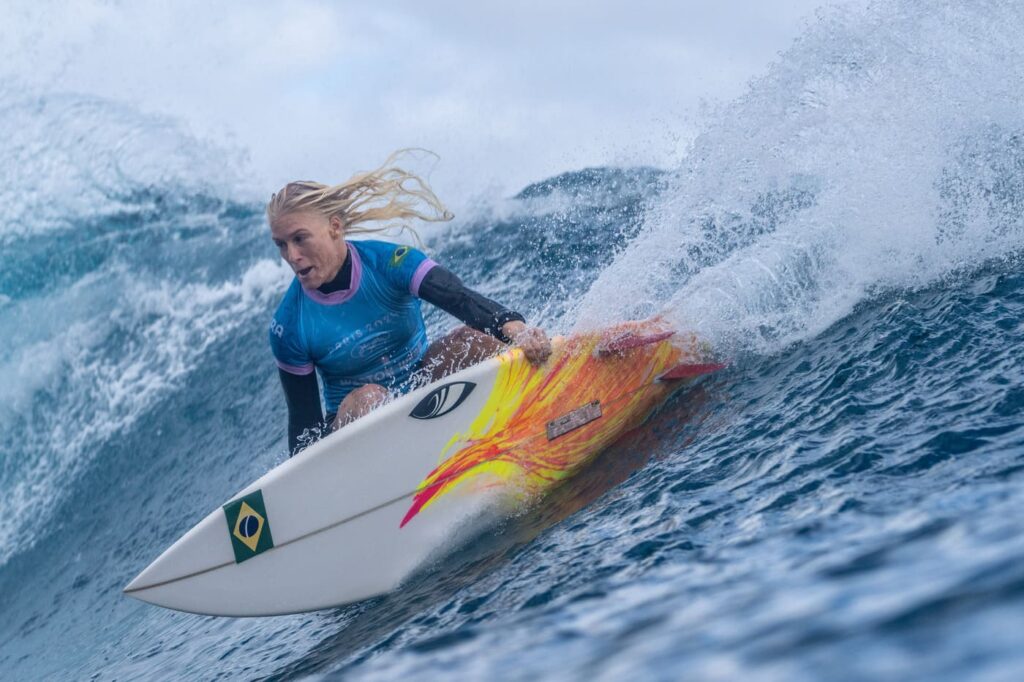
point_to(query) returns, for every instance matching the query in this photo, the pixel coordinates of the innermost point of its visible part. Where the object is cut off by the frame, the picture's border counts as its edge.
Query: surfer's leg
(358, 403)
(459, 349)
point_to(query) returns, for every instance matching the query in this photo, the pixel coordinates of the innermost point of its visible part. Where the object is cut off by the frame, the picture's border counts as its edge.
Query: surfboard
(355, 513)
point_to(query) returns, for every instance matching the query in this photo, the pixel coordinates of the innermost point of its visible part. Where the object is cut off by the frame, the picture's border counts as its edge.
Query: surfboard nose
(202, 549)
(134, 585)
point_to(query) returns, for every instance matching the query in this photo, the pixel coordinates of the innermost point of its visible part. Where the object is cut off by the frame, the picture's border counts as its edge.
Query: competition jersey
(370, 333)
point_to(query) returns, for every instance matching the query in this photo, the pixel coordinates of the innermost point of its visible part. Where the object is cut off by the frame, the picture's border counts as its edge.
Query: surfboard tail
(690, 371)
(637, 335)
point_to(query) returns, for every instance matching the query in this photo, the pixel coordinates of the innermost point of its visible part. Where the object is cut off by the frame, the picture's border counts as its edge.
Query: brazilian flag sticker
(248, 526)
(399, 255)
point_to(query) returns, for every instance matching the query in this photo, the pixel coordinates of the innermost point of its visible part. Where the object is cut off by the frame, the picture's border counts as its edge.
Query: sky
(507, 94)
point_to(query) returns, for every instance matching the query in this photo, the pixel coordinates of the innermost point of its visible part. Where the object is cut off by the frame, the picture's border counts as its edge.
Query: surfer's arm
(445, 290)
(302, 394)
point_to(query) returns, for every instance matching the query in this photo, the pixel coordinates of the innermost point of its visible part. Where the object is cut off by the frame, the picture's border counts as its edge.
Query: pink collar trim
(342, 295)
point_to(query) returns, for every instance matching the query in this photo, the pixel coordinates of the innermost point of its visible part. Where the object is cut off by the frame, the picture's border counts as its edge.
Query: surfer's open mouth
(304, 271)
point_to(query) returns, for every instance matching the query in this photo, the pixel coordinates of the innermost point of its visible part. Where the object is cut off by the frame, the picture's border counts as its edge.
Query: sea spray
(881, 151)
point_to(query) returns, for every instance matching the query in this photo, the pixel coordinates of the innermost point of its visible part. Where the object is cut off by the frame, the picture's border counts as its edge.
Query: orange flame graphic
(507, 444)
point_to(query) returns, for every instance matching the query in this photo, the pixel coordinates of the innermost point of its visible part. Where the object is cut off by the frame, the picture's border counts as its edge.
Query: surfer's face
(312, 244)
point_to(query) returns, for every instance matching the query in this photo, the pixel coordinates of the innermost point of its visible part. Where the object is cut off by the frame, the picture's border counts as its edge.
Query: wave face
(842, 502)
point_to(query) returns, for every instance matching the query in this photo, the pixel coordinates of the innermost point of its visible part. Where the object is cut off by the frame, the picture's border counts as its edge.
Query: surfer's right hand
(534, 342)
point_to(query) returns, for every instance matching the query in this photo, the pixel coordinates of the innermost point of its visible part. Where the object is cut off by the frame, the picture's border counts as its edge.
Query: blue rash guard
(370, 333)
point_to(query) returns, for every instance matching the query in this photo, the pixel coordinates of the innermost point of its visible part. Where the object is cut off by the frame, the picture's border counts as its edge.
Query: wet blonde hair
(374, 201)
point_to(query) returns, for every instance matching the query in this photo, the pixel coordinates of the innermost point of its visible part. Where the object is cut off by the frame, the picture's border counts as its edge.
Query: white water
(98, 393)
(894, 122)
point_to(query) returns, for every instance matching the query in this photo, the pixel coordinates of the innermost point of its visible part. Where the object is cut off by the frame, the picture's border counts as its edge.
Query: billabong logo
(248, 526)
(442, 400)
(399, 255)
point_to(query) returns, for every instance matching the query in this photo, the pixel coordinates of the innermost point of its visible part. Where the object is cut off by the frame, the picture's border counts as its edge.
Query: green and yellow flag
(399, 255)
(248, 526)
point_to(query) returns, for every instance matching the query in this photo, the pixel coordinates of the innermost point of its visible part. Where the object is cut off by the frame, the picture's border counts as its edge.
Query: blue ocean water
(843, 502)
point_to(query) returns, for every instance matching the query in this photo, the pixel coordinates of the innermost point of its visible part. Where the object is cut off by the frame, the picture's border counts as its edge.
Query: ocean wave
(844, 497)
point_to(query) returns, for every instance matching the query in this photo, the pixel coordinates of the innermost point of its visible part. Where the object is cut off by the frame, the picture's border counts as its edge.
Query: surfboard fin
(629, 340)
(690, 371)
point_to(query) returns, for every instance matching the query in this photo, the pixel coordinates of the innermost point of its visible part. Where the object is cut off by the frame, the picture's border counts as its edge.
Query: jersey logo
(442, 400)
(399, 255)
(373, 347)
(248, 526)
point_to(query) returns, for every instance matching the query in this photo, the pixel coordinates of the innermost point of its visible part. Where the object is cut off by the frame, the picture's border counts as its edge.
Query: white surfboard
(357, 512)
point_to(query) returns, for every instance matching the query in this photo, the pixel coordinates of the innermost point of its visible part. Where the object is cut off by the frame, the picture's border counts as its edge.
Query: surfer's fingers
(535, 344)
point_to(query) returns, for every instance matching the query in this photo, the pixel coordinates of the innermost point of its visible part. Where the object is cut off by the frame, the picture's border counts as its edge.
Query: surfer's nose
(291, 254)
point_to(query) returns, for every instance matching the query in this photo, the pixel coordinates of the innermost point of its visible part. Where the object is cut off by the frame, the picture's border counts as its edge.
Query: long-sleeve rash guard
(365, 326)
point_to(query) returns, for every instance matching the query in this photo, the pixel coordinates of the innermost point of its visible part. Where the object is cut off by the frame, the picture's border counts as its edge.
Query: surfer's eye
(442, 400)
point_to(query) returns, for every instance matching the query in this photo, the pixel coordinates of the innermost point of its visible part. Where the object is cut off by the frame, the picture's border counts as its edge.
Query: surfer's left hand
(534, 342)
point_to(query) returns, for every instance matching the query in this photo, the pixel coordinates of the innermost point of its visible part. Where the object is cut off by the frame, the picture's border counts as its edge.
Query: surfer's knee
(458, 349)
(473, 343)
(358, 403)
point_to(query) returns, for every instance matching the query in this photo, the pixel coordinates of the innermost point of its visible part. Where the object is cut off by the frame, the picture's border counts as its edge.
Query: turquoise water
(843, 502)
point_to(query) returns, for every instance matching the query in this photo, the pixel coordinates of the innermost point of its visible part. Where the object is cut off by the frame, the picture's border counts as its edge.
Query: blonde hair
(385, 195)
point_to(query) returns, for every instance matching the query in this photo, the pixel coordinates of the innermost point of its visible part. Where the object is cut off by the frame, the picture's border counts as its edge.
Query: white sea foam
(881, 151)
(95, 392)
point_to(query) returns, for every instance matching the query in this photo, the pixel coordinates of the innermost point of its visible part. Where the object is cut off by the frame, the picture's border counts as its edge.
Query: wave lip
(70, 158)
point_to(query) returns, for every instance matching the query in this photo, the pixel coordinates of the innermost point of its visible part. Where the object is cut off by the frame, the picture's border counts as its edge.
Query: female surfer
(352, 313)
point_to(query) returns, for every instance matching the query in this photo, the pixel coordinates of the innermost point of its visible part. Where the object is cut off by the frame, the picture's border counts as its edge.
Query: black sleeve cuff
(499, 321)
